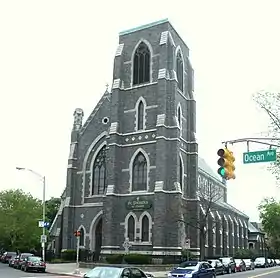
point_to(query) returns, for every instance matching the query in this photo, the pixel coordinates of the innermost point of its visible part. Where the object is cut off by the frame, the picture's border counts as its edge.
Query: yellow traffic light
(226, 163)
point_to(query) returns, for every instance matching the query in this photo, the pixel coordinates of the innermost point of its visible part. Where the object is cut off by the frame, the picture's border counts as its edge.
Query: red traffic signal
(77, 233)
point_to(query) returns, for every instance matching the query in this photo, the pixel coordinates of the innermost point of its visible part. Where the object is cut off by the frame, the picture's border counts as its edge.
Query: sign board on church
(139, 204)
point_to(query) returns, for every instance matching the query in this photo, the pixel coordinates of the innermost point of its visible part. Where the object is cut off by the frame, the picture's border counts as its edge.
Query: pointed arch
(141, 66)
(140, 114)
(145, 171)
(129, 232)
(82, 229)
(84, 169)
(180, 67)
(98, 181)
(145, 227)
(181, 173)
(92, 229)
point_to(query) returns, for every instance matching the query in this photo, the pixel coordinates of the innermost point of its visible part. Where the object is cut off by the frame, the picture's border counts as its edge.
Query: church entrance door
(98, 240)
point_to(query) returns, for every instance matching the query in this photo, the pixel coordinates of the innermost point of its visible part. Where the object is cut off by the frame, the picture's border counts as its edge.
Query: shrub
(68, 255)
(115, 259)
(137, 259)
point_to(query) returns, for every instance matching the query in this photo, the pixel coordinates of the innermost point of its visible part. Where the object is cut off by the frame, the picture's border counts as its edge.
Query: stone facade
(133, 169)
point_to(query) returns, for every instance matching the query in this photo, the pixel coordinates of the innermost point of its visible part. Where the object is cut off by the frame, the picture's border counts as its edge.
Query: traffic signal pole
(257, 140)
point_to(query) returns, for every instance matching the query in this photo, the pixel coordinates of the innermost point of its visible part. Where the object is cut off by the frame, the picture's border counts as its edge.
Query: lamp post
(44, 204)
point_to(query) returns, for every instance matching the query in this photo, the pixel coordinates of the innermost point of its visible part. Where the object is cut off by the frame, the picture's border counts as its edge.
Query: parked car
(261, 262)
(193, 269)
(116, 272)
(229, 264)
(33, 263)
(7, 256)
(271, 262)
(250, 265)
(240, 265)
(218, 266)
(22, 256)
(15, 262)
(277, 262)
(12, 260)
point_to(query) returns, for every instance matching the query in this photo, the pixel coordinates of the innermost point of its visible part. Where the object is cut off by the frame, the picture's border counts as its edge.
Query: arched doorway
(98, 240)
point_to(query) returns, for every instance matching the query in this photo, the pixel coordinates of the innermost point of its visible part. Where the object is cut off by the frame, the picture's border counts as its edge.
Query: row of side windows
(139, 172)
(142, 66)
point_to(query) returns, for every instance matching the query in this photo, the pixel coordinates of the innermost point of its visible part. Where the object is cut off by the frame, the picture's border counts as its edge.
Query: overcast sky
(58, 55)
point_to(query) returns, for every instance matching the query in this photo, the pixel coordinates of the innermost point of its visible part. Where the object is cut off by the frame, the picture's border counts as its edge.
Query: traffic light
(77, 233)
(226, 163)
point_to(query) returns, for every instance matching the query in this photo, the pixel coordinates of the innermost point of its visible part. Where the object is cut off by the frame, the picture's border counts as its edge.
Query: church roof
(145, 26)
(202, 165)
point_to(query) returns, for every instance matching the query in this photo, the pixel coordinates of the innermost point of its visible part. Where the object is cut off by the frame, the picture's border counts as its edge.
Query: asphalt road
(272, 272)
(8, 272)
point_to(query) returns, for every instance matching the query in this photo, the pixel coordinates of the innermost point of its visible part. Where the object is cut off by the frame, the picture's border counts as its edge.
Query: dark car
(21, 259)
(33, 263)
(193, 269)
(240, 265)
(12, 260)
(7, 256)
(115, 272)
(218, 266)
(229, 264)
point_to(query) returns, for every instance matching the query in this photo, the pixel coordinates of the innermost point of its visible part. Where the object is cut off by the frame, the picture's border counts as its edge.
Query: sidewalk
(69, 269)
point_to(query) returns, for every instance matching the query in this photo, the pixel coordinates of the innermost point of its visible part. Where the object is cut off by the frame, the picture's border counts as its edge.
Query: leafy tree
(20, 213)
(269, 102)
(52, 206)
(246, 254)
(270, 216)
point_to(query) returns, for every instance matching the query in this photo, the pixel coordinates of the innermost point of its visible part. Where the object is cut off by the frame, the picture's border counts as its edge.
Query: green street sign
(259, 156)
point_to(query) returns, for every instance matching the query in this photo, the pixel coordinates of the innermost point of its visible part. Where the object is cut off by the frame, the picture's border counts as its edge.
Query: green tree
(269, 102)
(52, 206)
(270, 216)
(20, 213)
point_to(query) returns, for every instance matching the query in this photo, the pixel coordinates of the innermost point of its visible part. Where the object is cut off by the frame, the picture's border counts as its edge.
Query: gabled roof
(202, 165)
(253, 229)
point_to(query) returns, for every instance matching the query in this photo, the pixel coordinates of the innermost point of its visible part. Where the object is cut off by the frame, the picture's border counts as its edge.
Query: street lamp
(44, 204)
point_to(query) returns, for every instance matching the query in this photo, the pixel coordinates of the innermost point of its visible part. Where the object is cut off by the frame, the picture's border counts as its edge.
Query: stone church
(133, 171)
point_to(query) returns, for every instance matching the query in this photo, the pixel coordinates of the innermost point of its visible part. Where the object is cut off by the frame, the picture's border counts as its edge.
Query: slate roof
(253, 229)
(202, 165)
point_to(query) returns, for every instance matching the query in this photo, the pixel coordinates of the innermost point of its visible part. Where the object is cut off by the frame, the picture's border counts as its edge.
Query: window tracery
(99, 173)
(141, 64)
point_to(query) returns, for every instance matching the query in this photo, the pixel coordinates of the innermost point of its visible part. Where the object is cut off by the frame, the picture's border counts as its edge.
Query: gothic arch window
(140, 115)
(181, 172)
(139, 173)
(141, 64)
(180, 70)
(179, 116)
(82, 236)
(131, 228)
(99, 173)
(145, 229)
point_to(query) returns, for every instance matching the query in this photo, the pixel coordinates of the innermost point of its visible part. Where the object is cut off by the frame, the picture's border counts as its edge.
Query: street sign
(43, 224)
(43, 238)
(259, 156)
